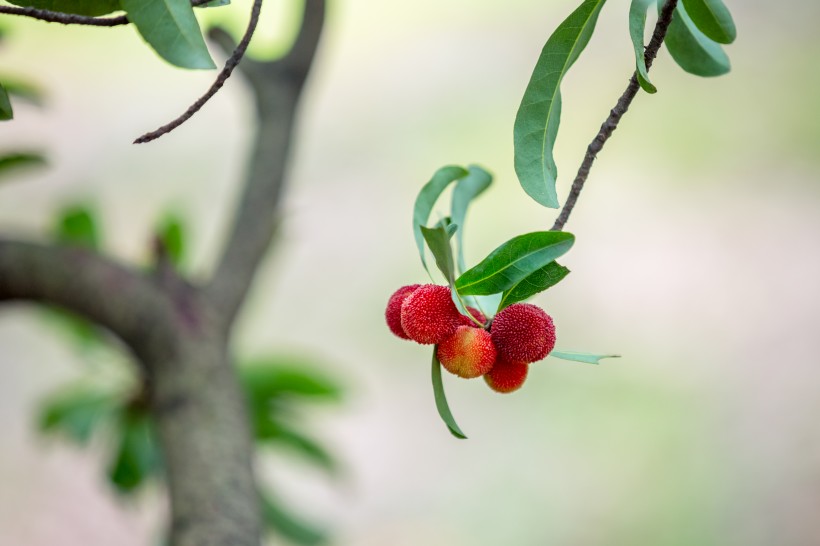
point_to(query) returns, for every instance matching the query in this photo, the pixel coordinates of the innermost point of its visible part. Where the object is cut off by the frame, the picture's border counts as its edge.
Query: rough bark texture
(179, 332)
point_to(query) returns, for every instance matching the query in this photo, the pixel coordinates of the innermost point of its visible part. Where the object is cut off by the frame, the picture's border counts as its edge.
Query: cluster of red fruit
(501, 350)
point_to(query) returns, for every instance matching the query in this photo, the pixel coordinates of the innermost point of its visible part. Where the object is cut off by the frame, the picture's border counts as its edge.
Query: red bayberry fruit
(393, 311)
(428, 315)
(478, 315)
(507, 375)
(468, 353)
(523, 332)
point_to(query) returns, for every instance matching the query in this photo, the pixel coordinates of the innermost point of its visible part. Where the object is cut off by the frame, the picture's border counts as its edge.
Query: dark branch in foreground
(664, 19)
(230, 64)
(71, 19)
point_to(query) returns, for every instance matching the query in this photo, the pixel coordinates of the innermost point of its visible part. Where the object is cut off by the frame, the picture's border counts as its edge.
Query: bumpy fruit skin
(507, 375)
(428, 315)
(523, 332)
(479, 316)
(393, 312)
(468, 353)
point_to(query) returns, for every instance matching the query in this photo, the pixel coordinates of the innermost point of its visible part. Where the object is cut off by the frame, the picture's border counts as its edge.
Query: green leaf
(276, 432)
(538, 117)
(441, 400)
(16, 160)
(137, 457)
(581, 357)
(77, 226)
(6, 111)
(172, 235)
(23, 90)
(80, 330)
(513, 261)
(637, 24)
(285, 524)
(712, 17)
(77, 412)
(170, 27)
(427, 198)
(467, 189)
(215, 4)
(92, 8)
(537, 281)
(692, 50)
(278, 376)
(438, 239)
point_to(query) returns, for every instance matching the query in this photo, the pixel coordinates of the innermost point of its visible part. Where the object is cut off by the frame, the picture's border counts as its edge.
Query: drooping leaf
(438, 240)
(637, 24)
(426, 199)
(513, 261)
(172, 235)
(467, 189)
(581, 357)
(170, 27)
(538, 117)
(18, 160)
(713, 19)
(306, 447)
(286, 376)
(92, 8)
(537, 281)
(6, 111)
(692, 49)
(441, 400)
(77, 412)
(282, 522)
(77, 226)
(137, 458)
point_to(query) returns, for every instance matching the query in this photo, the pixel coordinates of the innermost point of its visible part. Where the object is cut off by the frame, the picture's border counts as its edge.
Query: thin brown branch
(226, 72)
(277, 87)
(71, 19)
(611, 123)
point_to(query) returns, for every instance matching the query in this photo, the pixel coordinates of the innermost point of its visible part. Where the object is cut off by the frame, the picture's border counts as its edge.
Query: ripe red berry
(478, 315)
(428, 315)
(393, 312)
(507, 375)
(468, 353)
(523, 332)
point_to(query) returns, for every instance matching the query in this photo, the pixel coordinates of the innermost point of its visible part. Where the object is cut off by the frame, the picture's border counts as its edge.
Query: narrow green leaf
(692, 50)
(637, 25)
(441, 400)
(92, 8)
(6, 111)
(77, 226)
(172, 235)
(137, 457)
(285, 524)
(23, 90)
(712, 17)
(170, 27)
(467, 189)
(438, 240)
(12, 161)
(427, 198)
(581, 357)
(307, 448)
(538, 117)
(513, 261)
(77, 412)
(286, 376)
(537, 281)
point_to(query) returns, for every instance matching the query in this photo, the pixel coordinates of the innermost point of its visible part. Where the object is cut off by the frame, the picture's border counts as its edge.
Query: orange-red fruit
(393, 311)
(478, 315)
(523, 332)
(428, 315)
(468, 353)
(507, 375)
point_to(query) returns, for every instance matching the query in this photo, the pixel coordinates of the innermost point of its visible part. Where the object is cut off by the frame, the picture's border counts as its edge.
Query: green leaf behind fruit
(537, 281)
(426, 199)
(467, 189)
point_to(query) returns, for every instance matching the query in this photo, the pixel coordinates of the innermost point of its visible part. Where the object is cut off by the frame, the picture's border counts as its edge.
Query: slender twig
(72, 19)
(664, 20)
(230, 64)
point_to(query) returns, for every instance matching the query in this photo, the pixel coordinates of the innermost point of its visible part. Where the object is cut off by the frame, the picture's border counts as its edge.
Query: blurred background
(697, 259)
